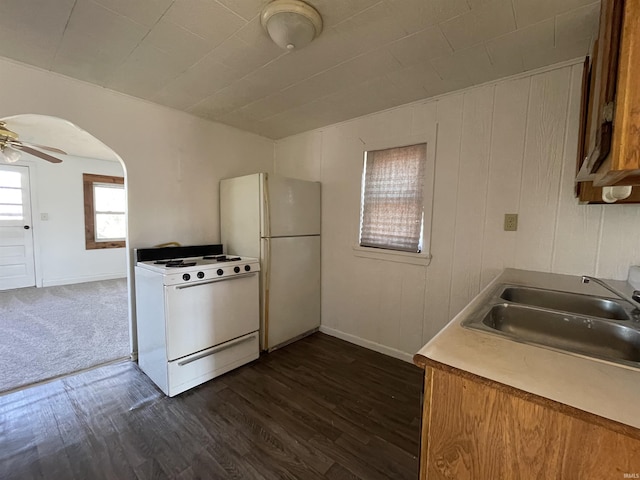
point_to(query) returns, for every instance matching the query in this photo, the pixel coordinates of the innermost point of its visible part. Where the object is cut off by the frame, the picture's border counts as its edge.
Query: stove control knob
(236, 269)
(247, 268)
(186, 277)
(219, 271)
(200, 274)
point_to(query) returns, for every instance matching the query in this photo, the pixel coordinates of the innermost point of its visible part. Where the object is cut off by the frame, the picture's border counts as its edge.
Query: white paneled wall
(173, 161)
(507, 147)
(60, 240)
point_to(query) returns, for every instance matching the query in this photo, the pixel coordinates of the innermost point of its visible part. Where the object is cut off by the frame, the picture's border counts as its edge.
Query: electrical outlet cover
(510, 222)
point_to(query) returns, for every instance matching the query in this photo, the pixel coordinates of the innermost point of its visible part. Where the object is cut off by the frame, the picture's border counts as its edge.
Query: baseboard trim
(376, 347)
(73, 280)
(291, 340)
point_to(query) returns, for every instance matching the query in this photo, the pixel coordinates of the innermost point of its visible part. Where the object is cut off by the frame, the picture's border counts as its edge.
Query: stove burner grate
(175, 263)
(221, 258)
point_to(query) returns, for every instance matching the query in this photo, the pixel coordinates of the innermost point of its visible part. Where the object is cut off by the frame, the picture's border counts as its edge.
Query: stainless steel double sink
(599, 327)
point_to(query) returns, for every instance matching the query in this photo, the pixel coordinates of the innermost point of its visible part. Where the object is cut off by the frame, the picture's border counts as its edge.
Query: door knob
(26, 227)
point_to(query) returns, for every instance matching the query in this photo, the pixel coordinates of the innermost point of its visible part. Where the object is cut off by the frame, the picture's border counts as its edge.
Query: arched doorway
(73, 313)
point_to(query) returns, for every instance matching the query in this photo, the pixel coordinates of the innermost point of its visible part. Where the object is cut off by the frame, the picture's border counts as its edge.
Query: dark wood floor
(318, 409)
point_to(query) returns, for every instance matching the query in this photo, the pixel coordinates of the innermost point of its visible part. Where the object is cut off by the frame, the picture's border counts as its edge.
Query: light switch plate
(510, 222)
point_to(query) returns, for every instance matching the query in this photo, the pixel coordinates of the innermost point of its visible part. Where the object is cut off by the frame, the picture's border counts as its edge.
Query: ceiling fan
(11, 148)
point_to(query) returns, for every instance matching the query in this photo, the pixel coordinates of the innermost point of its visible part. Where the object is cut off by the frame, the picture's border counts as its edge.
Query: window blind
(392, 198)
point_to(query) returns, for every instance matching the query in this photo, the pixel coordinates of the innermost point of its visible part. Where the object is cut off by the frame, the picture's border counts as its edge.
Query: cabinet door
(476, 430)
(603, 71)
(624, 167)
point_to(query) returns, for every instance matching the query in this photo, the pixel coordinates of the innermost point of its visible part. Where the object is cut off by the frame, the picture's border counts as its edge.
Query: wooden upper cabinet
(609, 152)
(600, 93)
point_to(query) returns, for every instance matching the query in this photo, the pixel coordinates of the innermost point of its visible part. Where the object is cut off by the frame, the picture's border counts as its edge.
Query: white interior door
(16, 237)
(292, 277)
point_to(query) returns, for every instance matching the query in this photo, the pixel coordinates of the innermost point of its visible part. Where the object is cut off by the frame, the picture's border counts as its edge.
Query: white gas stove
(203, 268)
(197, 314)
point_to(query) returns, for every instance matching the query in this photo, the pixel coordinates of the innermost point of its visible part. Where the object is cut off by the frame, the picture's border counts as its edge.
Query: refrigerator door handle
(267, 280)
(267, 207)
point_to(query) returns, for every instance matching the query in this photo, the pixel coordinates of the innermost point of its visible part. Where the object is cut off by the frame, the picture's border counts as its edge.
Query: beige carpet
(51, 331)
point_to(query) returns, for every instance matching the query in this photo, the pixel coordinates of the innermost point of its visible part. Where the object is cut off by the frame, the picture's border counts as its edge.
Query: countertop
(595, 386)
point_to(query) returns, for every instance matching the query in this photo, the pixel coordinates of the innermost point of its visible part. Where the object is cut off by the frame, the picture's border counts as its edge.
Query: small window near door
(104, 211)
(392, 203)
(10, 196)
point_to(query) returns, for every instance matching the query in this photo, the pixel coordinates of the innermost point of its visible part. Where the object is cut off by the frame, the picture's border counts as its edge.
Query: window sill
(423, 259)
(93, 245)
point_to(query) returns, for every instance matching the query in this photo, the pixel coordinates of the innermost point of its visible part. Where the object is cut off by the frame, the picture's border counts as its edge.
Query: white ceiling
(46, 130)
(211, 57)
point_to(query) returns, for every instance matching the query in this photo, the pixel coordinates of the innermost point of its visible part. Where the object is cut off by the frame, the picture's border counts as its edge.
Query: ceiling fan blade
(37, 153)
(44, 147)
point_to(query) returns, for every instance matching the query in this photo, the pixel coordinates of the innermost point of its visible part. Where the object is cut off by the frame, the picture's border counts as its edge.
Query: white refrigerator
(277, 219)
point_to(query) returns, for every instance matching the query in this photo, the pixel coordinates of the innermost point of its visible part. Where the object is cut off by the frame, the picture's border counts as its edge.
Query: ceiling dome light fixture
(8, 154)
(291, 24)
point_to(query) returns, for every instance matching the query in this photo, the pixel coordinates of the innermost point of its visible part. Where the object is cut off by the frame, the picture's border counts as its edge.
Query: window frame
(88, 182)
(19, 218)
(415, 258)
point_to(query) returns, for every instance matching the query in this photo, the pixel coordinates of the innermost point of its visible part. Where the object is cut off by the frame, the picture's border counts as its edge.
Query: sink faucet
(633, 299)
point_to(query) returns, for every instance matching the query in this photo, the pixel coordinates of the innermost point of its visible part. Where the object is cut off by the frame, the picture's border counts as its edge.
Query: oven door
(202, 315)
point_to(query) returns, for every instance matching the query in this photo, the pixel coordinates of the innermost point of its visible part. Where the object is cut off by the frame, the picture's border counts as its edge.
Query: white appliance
(277, 219)
(197, 316)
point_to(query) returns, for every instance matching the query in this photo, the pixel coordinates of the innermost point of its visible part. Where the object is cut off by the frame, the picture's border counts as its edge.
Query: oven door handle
(218, 349)
(223, 279)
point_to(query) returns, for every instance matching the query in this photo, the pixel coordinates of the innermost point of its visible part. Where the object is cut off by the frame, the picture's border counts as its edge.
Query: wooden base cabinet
(476, 429)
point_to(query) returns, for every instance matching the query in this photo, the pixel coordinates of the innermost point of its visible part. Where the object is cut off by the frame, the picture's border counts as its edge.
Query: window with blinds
(392, 210)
